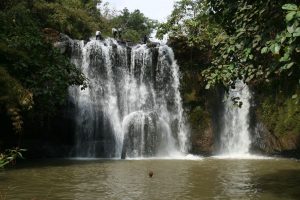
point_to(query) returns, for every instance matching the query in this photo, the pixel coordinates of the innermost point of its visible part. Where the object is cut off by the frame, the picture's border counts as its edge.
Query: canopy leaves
(250, 40)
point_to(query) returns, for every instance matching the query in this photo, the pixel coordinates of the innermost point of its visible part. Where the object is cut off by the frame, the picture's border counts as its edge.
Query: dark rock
(263, 141)
(64, 44)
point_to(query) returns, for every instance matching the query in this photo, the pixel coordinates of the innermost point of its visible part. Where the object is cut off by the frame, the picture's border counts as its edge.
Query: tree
(32, 70)
(76, 18)
(134, 24)
(250, 26)
(242, 35)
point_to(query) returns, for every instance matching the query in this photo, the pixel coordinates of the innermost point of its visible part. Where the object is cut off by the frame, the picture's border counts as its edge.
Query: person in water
(150, 174)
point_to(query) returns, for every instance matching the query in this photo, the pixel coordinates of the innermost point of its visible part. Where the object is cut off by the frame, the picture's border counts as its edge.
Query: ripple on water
(183, 178)
(242, 157)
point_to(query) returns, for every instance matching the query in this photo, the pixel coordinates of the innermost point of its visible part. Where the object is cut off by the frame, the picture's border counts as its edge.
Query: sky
(153, 9)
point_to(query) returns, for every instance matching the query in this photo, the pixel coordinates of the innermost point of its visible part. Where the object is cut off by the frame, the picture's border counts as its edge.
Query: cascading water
(132, 106)
(235, 137)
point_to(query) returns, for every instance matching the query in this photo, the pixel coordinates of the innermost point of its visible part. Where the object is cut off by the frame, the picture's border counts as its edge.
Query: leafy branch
(10, 156)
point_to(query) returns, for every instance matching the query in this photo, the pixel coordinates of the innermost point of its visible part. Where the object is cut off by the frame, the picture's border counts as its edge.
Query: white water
(235, 137)
(132, 107)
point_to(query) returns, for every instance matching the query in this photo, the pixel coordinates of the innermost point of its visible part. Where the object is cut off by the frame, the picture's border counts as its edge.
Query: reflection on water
(173, 179)
(284, 184)
(237, 182)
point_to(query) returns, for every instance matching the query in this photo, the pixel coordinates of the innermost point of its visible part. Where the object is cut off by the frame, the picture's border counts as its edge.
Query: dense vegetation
(34, 75)
(134, 25)
(257, 41)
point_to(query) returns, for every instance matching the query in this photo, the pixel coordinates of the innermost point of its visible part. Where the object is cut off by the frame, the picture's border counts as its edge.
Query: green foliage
(75, 18)
(15, 97)
(190, 97)
(199, 118)
(286, 44)
(132, 35)
(35, 76)
(238, 49)
(10, 156)
(31, 68)
(134, 24)
(256, 41)
(190, 19)
(281, 115)
(249, 39)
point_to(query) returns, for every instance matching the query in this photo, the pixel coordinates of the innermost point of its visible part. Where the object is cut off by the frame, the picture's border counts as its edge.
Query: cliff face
(274, 121)
(202, 107)
(274, 113)
(276, 118)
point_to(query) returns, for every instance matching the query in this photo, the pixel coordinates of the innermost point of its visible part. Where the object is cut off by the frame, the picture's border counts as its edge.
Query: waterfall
(132, 106)
(235, 137)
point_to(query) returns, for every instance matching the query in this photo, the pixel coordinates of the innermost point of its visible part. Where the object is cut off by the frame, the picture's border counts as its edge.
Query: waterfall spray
(235, 137)
(133, 101)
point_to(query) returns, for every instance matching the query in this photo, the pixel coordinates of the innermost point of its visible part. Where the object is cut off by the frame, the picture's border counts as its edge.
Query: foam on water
(241, 157)
(179, 157)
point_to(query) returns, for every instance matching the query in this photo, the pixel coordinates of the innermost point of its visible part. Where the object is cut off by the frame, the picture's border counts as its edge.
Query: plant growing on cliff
(14, 98)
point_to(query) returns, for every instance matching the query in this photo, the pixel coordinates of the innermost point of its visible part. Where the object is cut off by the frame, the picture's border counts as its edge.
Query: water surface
(209, 178)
